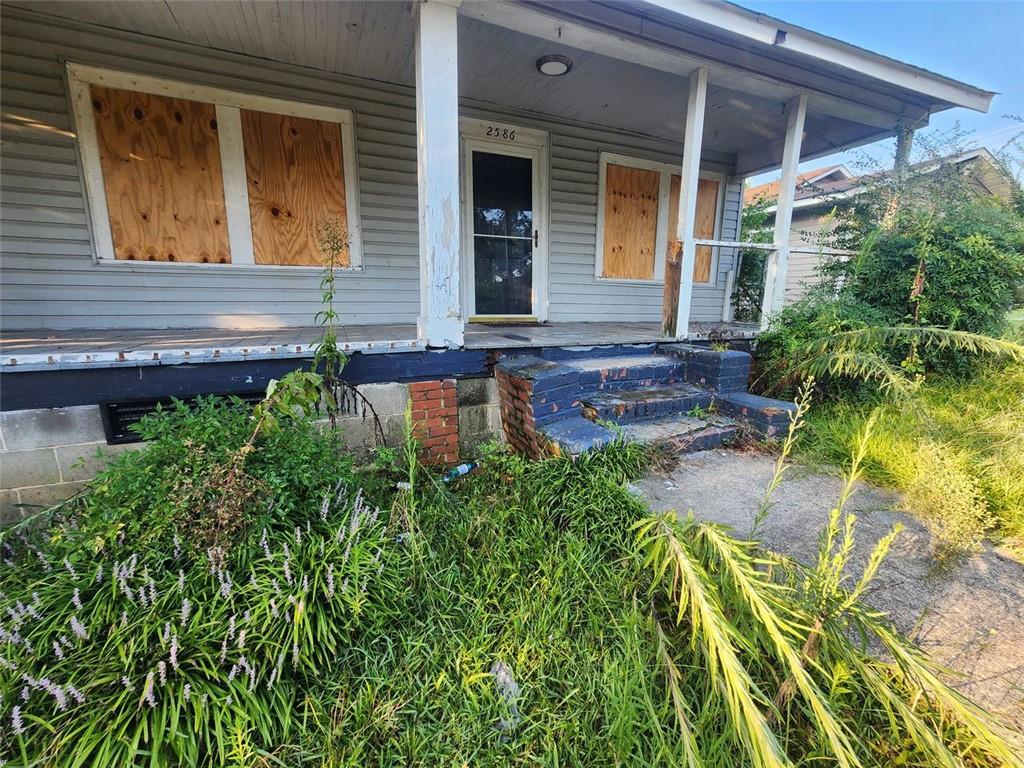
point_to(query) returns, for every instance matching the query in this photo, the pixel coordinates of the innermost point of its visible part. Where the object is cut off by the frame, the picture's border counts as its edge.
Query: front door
(503, 231)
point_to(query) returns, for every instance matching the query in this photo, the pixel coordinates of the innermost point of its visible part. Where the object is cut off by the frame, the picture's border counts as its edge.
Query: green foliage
(333, 240)
(768, 643)
(748, 290)
(956, 448)
(972, 257)
(509, 618)
(800, 328)
(128, 636)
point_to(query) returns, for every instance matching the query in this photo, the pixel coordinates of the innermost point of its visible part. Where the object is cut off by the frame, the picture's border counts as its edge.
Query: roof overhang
(859, 62)
(854, 96)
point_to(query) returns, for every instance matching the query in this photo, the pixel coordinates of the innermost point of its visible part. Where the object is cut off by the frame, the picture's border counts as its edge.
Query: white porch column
(778, 259)
(693, 137)
(437, 154)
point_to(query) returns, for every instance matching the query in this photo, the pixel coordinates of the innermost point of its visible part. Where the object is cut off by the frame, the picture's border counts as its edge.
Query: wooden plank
(162, 174)
(704, 227)
(670, 296)
(630, 221)
(296, 179)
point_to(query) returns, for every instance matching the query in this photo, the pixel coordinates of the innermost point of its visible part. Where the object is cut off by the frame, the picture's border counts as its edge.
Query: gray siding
(802, 272)
(49, 277)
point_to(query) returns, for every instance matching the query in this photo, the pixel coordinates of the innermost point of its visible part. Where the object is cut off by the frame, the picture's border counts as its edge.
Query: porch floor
(71, 349)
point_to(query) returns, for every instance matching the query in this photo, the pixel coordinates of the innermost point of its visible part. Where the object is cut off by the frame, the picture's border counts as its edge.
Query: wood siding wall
(49, 277)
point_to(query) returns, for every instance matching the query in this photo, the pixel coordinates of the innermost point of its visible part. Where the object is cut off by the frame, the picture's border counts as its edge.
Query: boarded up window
(630, 221)
(296, 179)
(704, 229)
(162, 174)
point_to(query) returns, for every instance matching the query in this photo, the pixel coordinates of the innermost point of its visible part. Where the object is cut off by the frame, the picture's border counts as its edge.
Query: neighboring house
(819, 191)
(513, 175)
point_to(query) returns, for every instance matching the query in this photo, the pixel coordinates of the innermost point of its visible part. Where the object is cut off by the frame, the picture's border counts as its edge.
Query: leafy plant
(333, 240)
(753, 618)
(748, 290)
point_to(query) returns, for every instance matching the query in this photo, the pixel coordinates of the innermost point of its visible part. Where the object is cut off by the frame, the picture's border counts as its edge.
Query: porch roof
(632, 61)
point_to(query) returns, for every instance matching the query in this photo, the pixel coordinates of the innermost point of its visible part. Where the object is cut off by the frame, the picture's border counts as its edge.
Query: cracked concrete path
(970, 617)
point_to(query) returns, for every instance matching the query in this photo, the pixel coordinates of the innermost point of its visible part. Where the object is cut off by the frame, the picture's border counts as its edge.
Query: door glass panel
(503, 234)
(504, 275)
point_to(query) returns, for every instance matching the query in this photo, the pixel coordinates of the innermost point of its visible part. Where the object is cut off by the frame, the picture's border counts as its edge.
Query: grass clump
(955, 447)
(531, 613)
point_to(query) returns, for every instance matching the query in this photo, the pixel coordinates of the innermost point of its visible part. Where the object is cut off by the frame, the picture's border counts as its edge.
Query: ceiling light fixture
(554, 65)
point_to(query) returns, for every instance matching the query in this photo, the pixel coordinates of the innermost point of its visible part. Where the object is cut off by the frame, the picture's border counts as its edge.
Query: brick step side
(646, 403)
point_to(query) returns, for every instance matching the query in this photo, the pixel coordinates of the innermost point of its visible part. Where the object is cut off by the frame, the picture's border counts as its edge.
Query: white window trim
(236, 195)
(662, 235)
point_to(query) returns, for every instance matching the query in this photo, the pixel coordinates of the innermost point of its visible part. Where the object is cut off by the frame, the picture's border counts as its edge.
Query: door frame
(505, 139)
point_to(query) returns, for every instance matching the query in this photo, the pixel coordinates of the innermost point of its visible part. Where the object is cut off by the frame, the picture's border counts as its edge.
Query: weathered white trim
(89, 155)
(440, 322)
(537, 151)
(236, 194)
(765, 30)
(177, 89)
(236, 185)
(727, 308)
(693, 137)
(661, 240)
(650, 43)
(503, 133)
(778, 259)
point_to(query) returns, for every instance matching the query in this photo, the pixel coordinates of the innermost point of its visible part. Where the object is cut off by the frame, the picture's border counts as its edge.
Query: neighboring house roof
(828, 188)
(770, 190)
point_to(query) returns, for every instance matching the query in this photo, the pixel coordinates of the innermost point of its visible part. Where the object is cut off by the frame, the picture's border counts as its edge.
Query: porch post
(437, 155)
(778, 259)
(678, 325)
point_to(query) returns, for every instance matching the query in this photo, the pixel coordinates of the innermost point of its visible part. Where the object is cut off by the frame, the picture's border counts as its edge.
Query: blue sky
(976, 41)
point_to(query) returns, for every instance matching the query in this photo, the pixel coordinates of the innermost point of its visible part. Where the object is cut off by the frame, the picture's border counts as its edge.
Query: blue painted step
(575, 434)
(627, 371)
(622, 405)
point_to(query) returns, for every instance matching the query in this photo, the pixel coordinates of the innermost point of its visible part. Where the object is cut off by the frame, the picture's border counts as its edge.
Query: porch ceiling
(499, 45)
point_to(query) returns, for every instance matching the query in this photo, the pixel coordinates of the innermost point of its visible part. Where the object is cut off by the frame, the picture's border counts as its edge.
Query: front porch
(102, 348)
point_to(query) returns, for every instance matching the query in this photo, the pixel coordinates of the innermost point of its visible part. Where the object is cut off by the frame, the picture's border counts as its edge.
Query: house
(819, 192)
(514, 177)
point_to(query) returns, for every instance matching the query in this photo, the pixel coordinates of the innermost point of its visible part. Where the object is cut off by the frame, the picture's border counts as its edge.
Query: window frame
(228, 105)
(661, 239)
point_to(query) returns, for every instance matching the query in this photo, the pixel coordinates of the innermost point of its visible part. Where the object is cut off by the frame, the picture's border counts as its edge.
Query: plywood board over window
(630, 222)
(296, 179)
(704, 226)
(161, 164)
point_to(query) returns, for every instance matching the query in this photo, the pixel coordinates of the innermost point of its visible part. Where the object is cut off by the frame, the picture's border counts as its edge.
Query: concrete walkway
(969, 617)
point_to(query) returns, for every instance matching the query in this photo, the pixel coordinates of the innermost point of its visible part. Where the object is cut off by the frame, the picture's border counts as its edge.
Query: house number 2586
(508, 134)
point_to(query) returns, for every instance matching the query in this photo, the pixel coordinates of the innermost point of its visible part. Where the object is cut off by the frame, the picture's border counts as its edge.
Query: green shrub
(126, 634)
(972, 257)
(797, 328)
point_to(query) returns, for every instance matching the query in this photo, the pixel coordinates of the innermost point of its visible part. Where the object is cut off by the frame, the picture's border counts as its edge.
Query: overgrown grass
(533, 613)
(956, 448)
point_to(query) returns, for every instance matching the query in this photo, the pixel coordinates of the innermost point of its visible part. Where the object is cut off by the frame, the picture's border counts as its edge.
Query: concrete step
(623, 405)
(683, 434)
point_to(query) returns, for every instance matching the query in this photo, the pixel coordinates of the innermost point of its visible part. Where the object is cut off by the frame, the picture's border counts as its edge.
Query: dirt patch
(970, 617)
